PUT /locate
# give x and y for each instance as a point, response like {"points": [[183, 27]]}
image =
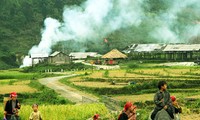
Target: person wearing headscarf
{"points": [[11, 108]]}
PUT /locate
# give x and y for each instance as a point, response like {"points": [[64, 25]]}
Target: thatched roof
{"points": [[114, 54]]}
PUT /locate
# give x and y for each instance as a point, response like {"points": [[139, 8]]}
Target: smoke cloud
{"points": [[164, 21], [92, 19], [178, 22]]}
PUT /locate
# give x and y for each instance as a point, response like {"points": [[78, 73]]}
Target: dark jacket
{"points": [[178, 110], [123, 116], [162, 95], [8, 107], [160, 104]]}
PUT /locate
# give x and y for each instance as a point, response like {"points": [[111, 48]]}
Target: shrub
{"points": [[55, 68], [106, 74], [86, 73], [128, 71], [46, 95], [133, 65]]}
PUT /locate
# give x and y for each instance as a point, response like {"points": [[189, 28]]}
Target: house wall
{"points": [[181, 56], [173, 55], [59, 59]]}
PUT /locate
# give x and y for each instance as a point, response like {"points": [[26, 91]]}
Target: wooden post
{"points": [[183, 55], [32, 61], [191, 54]]}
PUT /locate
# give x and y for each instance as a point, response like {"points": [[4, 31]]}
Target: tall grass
{"points": [[5, 74], [66, 112], [56, 68]]}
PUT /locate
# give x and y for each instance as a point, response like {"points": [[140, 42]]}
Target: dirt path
{"points": [[70, 93]]}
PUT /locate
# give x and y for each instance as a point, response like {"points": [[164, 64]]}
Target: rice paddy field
{"points": [[122, 78], [99, 84], [183, 82], [140, 84], [66, 112], [137, 84], [10, 85], [15, 74]]}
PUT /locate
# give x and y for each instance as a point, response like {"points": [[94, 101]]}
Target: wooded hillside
{"points": [[21, 22]]}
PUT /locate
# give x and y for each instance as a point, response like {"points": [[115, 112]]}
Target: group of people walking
{"points": [[163, 103], [12, 106], [162, 99]]}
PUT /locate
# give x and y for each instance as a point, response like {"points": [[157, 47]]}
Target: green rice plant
{"points": [[128, 71], [66, 112], [143, 114], [8, 74], [18, 75], [4, 82], [106, 74]]}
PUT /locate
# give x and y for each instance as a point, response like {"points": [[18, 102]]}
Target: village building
{"points": [[129, 49], [83, 55], [182, 52], [113, 57], [147, 51], [58, 58], [38, 58], [169, 52], [55, 58]]}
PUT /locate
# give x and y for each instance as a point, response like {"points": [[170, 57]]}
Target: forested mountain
{"points": [[161, 21], [20, 25]]}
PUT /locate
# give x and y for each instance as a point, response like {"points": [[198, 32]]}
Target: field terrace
{"points": [[140, 84], [178, 78]]}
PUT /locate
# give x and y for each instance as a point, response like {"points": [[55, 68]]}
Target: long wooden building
{"points": [[174, 52]]}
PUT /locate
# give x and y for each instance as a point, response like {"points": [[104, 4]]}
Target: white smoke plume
{"points": [[167, 32], [96, 19], [92, 19]]}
